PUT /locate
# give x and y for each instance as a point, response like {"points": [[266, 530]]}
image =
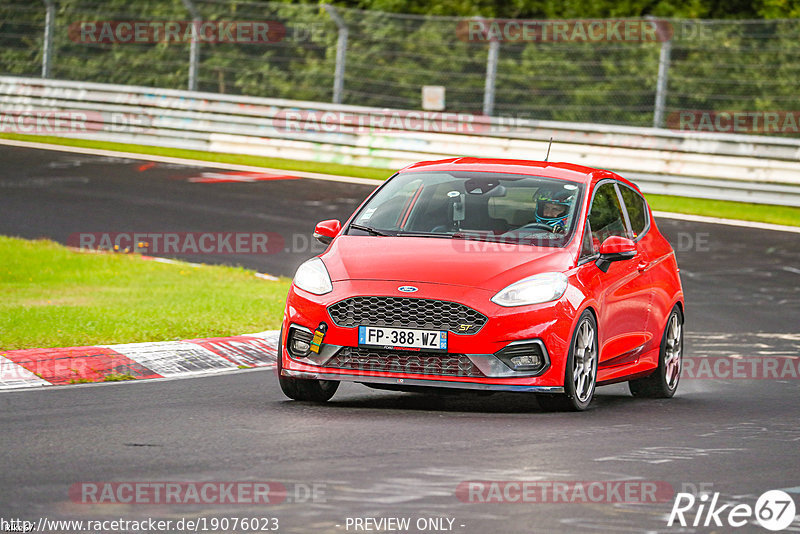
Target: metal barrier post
{"points": [[341, 53], [491, 76], [47, 48], [491, 68], [194, 46], [661, 84]]}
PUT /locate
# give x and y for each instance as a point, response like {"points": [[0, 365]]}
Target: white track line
{"points": [[346, 179], [5, 391], [729, 222], [192, 162]]}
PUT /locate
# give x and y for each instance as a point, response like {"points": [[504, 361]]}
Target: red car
{"points": [[488, 274]]}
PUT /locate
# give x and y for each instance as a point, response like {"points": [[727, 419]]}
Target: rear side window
{"points": [[637, 210], [605, 217]]}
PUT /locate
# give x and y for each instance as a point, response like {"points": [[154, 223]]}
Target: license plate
{"points": [[376, 336]]}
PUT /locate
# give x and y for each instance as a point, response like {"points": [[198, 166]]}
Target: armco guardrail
{"points": [[717, 166]]}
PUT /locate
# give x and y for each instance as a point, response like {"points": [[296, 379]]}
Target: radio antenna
{"points": [[548, 148]]}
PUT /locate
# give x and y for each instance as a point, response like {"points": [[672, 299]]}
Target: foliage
{"points": [[727, 64]]}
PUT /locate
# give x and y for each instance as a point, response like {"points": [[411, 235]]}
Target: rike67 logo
{"points": [[774, 510]]}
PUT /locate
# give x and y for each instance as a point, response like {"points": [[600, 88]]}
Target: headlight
{"points": [[312, 276], [533, 290]]}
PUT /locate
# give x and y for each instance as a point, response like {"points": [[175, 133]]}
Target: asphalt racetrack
{"points": [[371, 454]]}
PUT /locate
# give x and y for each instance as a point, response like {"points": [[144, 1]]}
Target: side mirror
{"points": [[325, 231], [615, 248]]}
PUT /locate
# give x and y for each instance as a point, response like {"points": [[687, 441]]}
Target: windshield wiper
{"points": [[369, 230], [459, 234], [424, 234], [451, 235], [473, 236]]}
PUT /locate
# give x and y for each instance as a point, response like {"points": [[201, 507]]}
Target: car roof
{"points": [[547, 169]]}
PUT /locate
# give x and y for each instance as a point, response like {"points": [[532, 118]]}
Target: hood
{"points": [[461, 262]]}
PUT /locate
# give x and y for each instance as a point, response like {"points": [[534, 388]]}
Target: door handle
{"points": [[644, 266]]}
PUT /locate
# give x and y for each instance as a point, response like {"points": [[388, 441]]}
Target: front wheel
{"points": [[663, 383], [581, 375], [303, 389]]}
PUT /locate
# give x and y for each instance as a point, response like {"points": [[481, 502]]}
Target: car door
{"points": [[625, 293], [650, 259]]}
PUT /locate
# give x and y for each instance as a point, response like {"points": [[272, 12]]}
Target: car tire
{"points": [[663, 383], [580, 377], [303, 389]]}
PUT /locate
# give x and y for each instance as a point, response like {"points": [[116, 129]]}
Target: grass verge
{"points": [[694, 206], [51, 296], [786, 215]]}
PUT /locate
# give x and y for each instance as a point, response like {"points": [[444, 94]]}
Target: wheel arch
{"points": [[679, 303], [589, 306]]}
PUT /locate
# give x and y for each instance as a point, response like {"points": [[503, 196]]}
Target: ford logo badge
{"points": [[407, 289]]}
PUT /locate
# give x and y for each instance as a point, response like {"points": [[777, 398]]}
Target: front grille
{"points": [[407, 313], [399, 361]]}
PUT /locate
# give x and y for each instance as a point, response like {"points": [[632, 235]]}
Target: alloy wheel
{"points": [[584, 366]]}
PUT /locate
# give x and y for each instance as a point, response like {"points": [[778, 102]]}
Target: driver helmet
{"points": [[552, 209]]}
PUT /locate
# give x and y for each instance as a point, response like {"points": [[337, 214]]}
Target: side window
{"points": [[605, 217], [637, 210]]}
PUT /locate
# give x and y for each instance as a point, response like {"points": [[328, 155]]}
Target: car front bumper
{"points": [[548, 325], [418, 382]]}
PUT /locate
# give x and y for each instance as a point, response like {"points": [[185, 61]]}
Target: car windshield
{"points": [[529, 210]]}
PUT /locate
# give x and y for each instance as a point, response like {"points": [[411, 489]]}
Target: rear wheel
{"points": [[663, 383], [581, 374], [303, 389]]}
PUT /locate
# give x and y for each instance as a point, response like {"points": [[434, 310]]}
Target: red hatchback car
{"points": [[498, 275]]}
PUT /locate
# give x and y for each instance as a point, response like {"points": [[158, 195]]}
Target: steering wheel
{"points": [[535, 226]]}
